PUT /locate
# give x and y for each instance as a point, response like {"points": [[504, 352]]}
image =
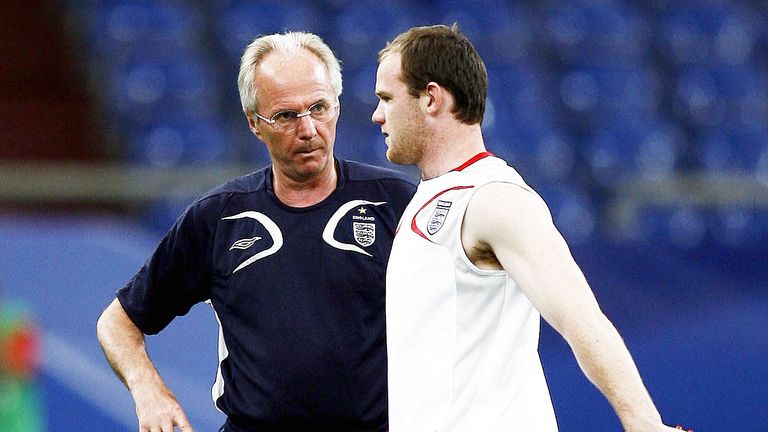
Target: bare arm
{"points": [[513, 226], [123, 343]]}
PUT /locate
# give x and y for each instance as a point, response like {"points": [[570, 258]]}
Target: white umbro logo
{"points": [[244, 243]]}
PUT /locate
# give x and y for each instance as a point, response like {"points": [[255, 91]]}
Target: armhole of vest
{"points": [[475, 269]]}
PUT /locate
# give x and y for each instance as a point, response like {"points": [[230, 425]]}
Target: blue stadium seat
{"points": [[518, 93], [181, 143], [596, 33], [573, 211], [162, 146], [360, 86], [520, 123], [555, 156], [242, 21], [696, 98], [734, 149], [141, 25], [707, 33], [144, 89], [599, 91], [161, 214], [692, 227], [745, 93], [722, 96], [361, 28], [609, 156], [503, 32], [251, 151], [620, 151], [682, 227], [361, 142], [538, 154], [685, 37], [541, 152], [761, 167], [739, 227]]}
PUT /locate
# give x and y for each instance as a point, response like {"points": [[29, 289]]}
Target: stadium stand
{"points": [[644, 124]]}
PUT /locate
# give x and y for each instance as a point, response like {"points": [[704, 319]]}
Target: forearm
{"points": [[605, 360], [123, 345]]}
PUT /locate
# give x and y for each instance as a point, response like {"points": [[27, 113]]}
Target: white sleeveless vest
{"points": [[462, 342]]}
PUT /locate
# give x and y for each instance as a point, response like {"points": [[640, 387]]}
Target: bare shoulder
{"points": [[502, 214], [500, 203]]}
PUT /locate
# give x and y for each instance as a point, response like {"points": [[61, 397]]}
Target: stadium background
{"points": [[643, 123]]}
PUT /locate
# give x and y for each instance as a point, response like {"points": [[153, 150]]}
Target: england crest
{"points": [[365, 233], [438, 216]]}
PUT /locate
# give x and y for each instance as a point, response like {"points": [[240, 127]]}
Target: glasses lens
{"points": [[286, 119], [322, 112]]}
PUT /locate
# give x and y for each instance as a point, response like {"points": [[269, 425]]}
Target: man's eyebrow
{"points": [[319, 100], [323, 100]]}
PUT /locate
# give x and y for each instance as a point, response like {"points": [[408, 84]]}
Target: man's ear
{"points": [[253, 124], [433, 99]]}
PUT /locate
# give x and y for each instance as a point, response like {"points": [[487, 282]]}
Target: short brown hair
{"points": [[442, 54]]}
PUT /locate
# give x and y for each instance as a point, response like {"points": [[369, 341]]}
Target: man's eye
{"points": [[318, 108], [285, 116]]}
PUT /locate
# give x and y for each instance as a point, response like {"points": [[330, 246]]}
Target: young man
{"points": [[292, 258], [476, 261]]}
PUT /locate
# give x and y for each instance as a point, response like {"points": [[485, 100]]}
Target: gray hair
{"points": [[285, 43]]}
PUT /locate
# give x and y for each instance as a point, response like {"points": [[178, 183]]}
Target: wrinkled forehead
{"points": [[292, 78]]}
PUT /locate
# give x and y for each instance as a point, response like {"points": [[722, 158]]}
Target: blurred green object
{"points": [[20, 405]]}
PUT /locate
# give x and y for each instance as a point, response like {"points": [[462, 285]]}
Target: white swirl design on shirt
{"points": [[272, 229]]}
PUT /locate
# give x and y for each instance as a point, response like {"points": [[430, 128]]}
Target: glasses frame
{"points": [[272, 122]]}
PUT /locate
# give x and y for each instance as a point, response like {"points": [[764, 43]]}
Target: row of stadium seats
{"points": [[583, 94]]}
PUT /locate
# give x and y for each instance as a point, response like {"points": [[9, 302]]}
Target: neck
{"points": [[450, 150], [304, 192]]}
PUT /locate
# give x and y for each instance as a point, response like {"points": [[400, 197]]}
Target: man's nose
{"points": [[305, 128], [377, 116]]}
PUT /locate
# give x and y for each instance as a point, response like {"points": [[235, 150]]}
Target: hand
{"points": [[158, 411]]}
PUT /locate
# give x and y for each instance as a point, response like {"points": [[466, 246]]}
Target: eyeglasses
{"points": [[288, 120]]}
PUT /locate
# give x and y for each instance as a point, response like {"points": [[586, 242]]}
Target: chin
{"points": [[391, 156], [397, 158], [319, 163]]}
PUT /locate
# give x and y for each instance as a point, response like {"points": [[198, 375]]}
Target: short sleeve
{"points": [[177, 275]]}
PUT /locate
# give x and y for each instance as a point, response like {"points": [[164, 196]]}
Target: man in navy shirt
{"points": [[292, 258]]}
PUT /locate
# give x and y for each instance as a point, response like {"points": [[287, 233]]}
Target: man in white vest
{"points": [[476, 262]]}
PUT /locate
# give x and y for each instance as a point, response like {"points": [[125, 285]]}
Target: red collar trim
{"points": [[472, 160]]}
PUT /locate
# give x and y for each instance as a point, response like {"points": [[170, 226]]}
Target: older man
{"points": [[292, 258]]}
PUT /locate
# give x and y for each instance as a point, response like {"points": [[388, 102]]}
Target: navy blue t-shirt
{"points": [[298, 293]]}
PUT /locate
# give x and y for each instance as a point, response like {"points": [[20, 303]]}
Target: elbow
{"points": [[586, 328], [108, 320], [114, 324], [102, 324]]}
